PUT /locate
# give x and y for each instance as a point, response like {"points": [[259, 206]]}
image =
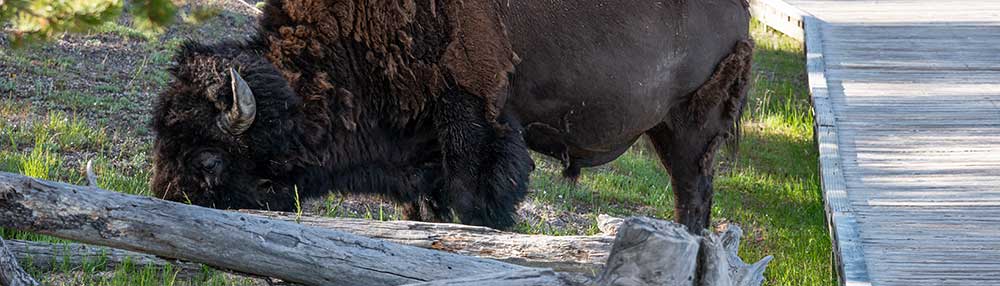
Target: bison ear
{"points": [[239, 118]]}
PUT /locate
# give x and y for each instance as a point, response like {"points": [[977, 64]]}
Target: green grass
{"points": [[124, 31], [108, 88], [78, 101], [7, 85], [200, 14], [37, 147], [772, 189]]}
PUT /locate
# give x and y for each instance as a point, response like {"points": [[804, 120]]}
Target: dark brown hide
{"points": [[595, 75], [406, 49], [412, 100], [480, 55], [727, 87], [399, 98], [687, 146]]}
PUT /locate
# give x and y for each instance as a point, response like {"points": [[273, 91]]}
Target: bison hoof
{"points": [[504, 221]]}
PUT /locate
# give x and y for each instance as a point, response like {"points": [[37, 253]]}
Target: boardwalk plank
{"points": [[907, 102]]}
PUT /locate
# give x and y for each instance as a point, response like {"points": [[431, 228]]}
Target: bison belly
{"points": [[588, 84], [595, 76], [591, 127]]}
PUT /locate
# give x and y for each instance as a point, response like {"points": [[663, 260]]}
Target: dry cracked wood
{"points": [[45, 257], [11, 273], [583, 254], [524, 277], [722, 266], [648, 252], [654, 252], [221, 239], [645, 251]]}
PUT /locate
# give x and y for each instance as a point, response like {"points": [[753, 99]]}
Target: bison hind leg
{"points": [[571, 174], [687, 143]]}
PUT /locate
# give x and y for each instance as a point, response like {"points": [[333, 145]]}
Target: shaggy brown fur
{"points": [[480, 55], [402, 45], [394, 97], [408, 99], [728, 86]]}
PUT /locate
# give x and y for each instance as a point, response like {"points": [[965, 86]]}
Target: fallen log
{"points": [[653, 252], [226, 240], [11, 274], [524, 277], [46, 257], [645, 251], [722, 265], [581, 254], [648, 252]]}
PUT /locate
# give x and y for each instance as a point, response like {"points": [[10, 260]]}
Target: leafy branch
{"points": [[29, 21]]}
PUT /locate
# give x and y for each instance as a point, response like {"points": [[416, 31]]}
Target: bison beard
{"points": [[399, 98]]}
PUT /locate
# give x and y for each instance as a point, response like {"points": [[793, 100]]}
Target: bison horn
{"points": [[244, 110]]}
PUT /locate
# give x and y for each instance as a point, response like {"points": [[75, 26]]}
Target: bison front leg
{"points": [[486, 168]]}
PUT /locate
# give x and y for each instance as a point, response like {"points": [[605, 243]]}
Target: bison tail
{"points": [[732, 144], [739, 93]]}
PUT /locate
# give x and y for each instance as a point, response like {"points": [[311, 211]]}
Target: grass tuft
{"points": [[298, 206], [124, 31], [40, 163]]}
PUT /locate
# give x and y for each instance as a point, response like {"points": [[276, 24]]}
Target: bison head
{"points": [[225, 130]]}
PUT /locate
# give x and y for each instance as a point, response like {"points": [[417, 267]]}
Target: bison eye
{"points": [[209, 162]]}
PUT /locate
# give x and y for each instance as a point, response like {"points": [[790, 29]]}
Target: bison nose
{"points": [[211, 165]]}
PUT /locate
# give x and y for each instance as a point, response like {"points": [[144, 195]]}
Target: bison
{"points": [[435, 103]]}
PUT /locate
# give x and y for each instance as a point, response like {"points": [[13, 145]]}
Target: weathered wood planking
{"points": [[779, 16], [849, 258], [907, 101]]}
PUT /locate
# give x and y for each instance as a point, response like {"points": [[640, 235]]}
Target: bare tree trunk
{"points": [[645, 251], [648, 252], [645, 246], [11, 273], [45, 257], [525, 277], [221, 239], [582, 254], [653, 252]]}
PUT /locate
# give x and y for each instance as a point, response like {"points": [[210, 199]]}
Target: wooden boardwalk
{"points": [[907, 99]]}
